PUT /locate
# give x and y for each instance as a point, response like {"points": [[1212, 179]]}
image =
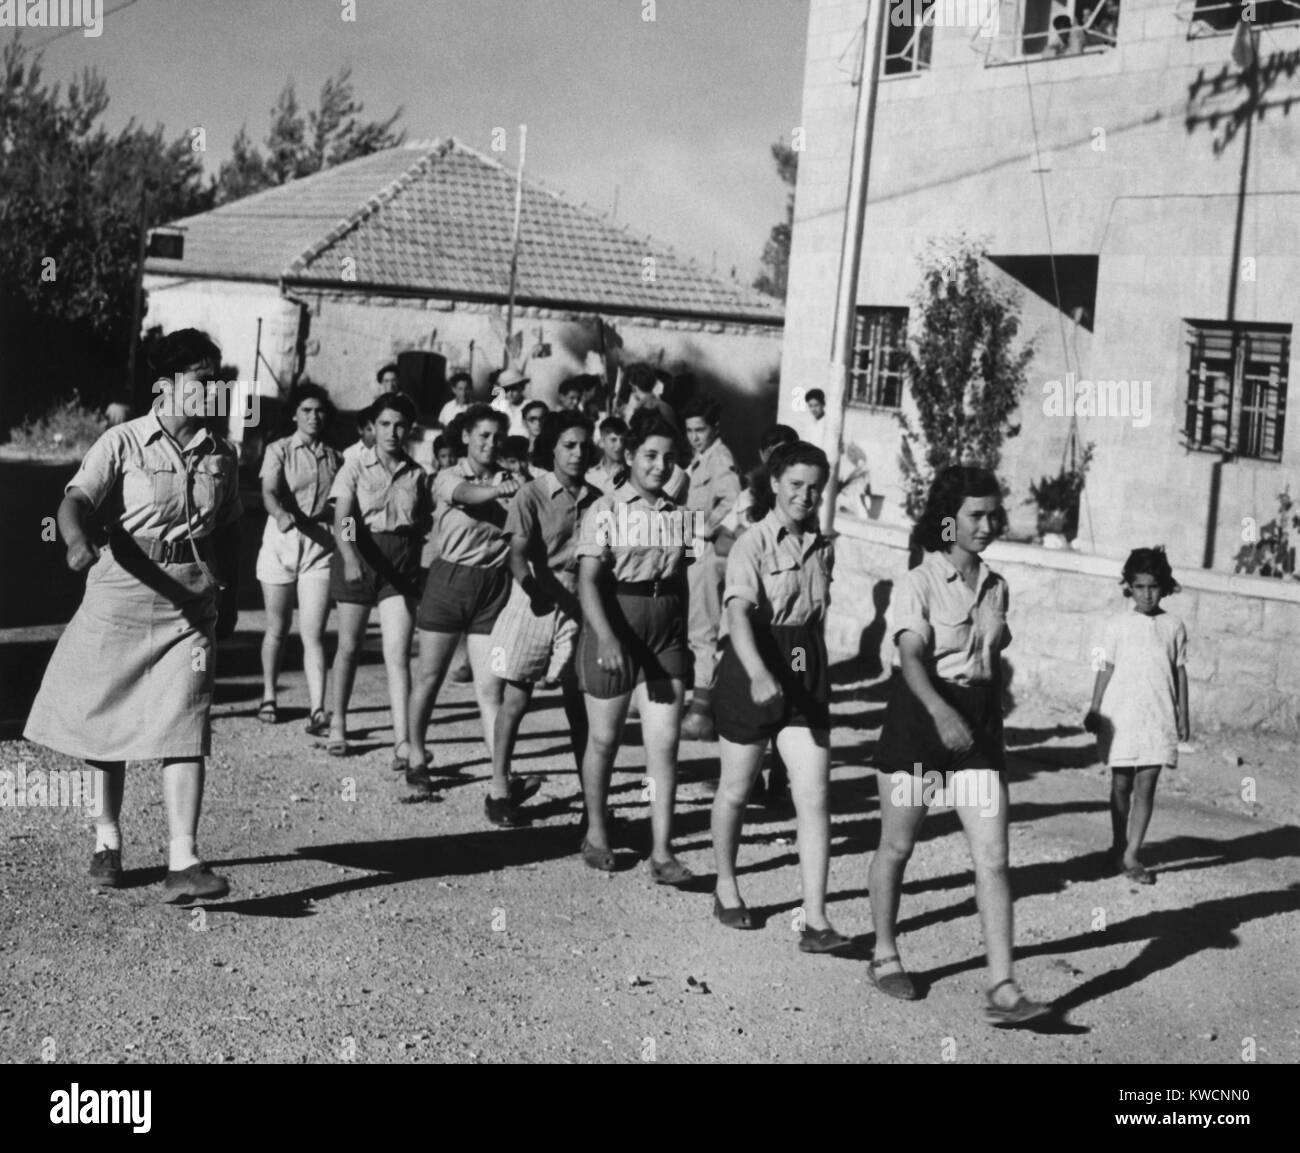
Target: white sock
{"points": [[181, 854], [108, 835]]}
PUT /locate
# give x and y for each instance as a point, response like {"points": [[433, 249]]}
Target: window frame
{"points": [[1219, 358], [868, 371]]}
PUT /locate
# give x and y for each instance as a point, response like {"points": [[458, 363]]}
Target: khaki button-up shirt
{"points": [[469, 534], [639, 540], [144, 481], [715, 484], [386, 503], [963, 631], [305, 471], [784, 575], [549, 518]]}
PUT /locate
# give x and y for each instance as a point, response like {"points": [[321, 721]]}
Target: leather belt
{"points": [[161, 551], [659, 587]]}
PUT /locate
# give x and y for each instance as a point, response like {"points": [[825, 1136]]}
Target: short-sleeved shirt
{"points": [[715, 483], [515, 414], [387, 503], [450, 411], [140, 478], [737, 520], [1143, 653], [306, 471], [469, 534], [963, 631], [639, 540], [601, 476], [786, 576], [550, 518]]}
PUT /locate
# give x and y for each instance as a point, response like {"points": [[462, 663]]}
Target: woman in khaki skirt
{"points": [[131, 677]]}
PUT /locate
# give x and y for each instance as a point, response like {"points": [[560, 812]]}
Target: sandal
{"points": [[268, 713], [401, 763], [318, 724], [670, 872], [601, 859], [737, 918], [1021, 1012], [1140, 875], [337, 747], [825, 940], [898, 985]]}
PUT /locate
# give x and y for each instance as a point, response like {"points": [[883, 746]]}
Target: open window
{"points": [[1213, 17], [1236, 388], [1044, 29], [909, 37]]}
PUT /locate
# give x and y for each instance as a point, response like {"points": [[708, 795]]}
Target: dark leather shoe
{"points": [[823, 941], [737, 918], [197, 883], [420, 782], [522, 788], [601, 859], [106, 869], [502, 813]]}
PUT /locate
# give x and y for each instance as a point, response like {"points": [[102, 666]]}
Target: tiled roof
{"points": [[437, 220]]}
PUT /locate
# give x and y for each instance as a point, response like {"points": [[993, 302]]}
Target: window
{"points": [[909, 34], [1208, 17], [879, 358], [1042, 29], [1236, 388]]}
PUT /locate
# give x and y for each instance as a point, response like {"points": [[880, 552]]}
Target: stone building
{"points": [[1146, 146], [404, 256]]}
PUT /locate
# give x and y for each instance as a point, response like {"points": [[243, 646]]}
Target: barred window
{"points": [[1236, 387], [879, 358]]}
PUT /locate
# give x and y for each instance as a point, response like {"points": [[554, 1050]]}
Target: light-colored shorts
{"points": [[285, 558], [528, 647]]}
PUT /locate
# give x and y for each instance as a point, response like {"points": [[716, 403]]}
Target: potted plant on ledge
{"points": [[1057, 498]]}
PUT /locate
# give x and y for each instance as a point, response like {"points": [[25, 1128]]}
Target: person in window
{"points": [[132, 675]]}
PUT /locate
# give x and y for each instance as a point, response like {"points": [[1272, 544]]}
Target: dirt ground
{"points": [[364, 928]]}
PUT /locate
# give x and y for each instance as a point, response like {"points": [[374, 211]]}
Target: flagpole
{"points": [[514, 251], [851, 250]]}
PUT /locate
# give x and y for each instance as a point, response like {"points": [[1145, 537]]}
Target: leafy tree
{"points": [[70, 205], [965, 373], [298, 145], [776, 253]]}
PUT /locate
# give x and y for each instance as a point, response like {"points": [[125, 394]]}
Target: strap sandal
{"points": [[737, 918], [825, 940], [337, 747], [670, 872], [1140, 875], [898, 985], [268, 713], [1020, 1013], [601, 859], [318, 724]]}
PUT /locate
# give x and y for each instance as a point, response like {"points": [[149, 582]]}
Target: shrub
{"points": [[66, 430]]}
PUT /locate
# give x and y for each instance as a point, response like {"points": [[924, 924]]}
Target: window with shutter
{"points": [[1236, 388], [879, 358]]}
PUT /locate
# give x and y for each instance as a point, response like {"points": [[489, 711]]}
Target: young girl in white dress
{"points": [[1144, 665]]}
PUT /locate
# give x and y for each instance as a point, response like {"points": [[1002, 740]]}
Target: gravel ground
{"points": [[364, 928]]}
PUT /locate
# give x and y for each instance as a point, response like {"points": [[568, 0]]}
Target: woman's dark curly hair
{"points": [[468, 420], [554, 425], [642, 427], [948, 492], [306, 390], [1150, 562], [784, 457]]}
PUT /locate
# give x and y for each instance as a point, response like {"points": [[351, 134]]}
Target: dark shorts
{"points": [[652, 631], [796, 656], [909, 737], [390, 567], [461, 598]]}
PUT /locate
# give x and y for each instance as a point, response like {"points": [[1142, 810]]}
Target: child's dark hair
{"points": [[440, 443], [532, 404], [814, 394], [948, 492], [572, 385], [1150, 562], [784, 457], [643, 426], [702, 407], [613, 424], [555, 425], [379, 376], [641, 377], [468, 420], [397, 402]]}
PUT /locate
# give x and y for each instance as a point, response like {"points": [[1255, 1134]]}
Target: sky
{"points": [[679, 111]]}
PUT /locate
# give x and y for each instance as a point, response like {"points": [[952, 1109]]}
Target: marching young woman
{"points": [[381, 514], [943, 723], [536, 635], [633, 640], [297, 475], [774, 682], [468, 582], [131, 677]]}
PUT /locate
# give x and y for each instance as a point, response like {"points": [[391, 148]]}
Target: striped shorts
{"points": [[528, 647]]}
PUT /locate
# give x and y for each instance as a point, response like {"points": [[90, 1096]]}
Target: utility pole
{"points": [[514, 252]]}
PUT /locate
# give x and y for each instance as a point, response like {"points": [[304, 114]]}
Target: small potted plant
{"points": [[1057, 498]]}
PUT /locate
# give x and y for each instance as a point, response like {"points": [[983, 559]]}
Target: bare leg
{"points": [[605, 719], [1144, 796], [575, 712], [436, 651], [395, 625], [487, 685], [183, 795], [900, 822], [1121, 794], [279, 616], [661, 726], [514, 704], [110, 787], [740, 764], [313, 611], [986, 832], [352, 629], [809, 783]]}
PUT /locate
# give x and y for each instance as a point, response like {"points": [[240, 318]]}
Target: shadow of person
{"points": [[873, 636]]}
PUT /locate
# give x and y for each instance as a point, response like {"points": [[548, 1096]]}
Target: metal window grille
{"points": [[879, 358], [1236, 388]]}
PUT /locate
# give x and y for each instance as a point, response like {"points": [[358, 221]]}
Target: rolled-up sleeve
{"points": [[744, 577], [446, 483], [909, 610], [345, 483], [273, 462], [101, 468]]}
